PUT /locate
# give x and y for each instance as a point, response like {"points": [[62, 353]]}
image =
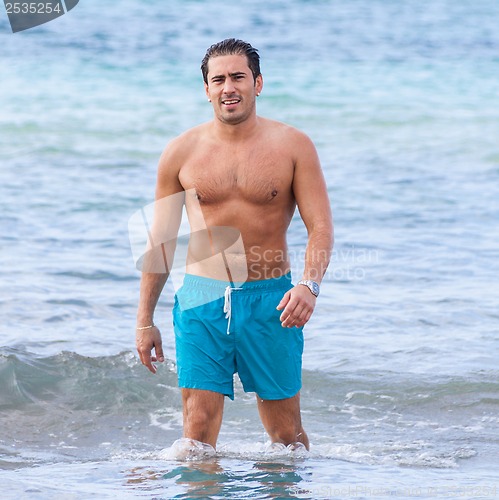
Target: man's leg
{"points": [[282, 420], [203, 411]]}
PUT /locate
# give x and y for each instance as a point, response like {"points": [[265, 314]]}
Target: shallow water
{"points": [[401, 389]]}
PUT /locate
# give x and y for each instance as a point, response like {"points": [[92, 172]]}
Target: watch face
{"points": [[312, 286]]}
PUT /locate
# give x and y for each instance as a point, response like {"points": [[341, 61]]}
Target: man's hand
{"points": [[145, 341], [298, 304]]}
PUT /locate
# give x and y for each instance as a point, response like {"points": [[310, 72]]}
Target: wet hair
{"points": [[230, 47]]}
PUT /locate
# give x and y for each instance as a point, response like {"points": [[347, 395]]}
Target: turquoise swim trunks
{"points": [[223, 328]]}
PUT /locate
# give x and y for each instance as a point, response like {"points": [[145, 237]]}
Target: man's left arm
{"points": [[312, 199]]}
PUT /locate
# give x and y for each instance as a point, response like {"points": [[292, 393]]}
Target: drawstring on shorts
{"points": [[228, 305]]}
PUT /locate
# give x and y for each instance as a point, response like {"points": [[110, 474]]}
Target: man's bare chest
{"points": [[254, 176]]}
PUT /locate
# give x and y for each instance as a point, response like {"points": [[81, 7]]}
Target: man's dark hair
{"points": [[230, 47]]}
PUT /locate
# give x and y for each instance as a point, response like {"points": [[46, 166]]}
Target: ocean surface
{"points": [[400, 390]]}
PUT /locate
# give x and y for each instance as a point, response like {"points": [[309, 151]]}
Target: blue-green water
{"points": [[401, 386]]}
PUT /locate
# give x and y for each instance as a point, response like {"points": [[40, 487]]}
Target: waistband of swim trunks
{"points": [[283, 282]]}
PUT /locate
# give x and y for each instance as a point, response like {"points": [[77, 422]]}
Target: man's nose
{"points": [[229, 87]]}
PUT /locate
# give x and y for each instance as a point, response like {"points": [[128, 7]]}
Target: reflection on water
{"points": [[221, 477]]}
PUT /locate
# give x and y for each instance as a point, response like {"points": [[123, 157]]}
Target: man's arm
{"points": [[310, 191], [158, 257]]}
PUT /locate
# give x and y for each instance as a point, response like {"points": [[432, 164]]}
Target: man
{"points": [[240, 177]]}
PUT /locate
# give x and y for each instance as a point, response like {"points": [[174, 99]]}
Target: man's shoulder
{"points": [[284, 130], [190, 136], [290, 140], [182, 145]]}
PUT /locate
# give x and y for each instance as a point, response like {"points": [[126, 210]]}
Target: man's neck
{"points": [[236, 132]]}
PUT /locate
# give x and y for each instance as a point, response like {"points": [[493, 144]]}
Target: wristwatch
{"points": [[312, 286]]}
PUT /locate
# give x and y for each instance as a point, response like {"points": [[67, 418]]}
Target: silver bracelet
{"points": [[145, 327]]}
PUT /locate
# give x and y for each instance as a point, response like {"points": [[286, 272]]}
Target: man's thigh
{"points": [[205, 353], [280, 413], [199, 400], [269, 356]]}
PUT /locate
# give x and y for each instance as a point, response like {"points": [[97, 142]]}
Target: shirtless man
{"points": [[248, 173]]}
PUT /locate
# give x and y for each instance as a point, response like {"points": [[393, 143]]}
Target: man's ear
{"points": [[258, 84], [207, 91]]}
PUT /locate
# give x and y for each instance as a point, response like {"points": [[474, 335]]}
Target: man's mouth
{"points": [[229, 102]]}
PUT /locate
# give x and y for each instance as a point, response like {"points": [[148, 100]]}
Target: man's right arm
{"points": [[158, 258]]}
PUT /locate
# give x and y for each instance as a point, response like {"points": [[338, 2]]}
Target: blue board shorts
{"points": [[223, 328]]}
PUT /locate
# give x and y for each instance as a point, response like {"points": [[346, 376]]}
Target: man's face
{"points": [[231, 88]]}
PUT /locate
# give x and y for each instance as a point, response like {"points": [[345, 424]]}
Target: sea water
{"points": [[400, 390]]}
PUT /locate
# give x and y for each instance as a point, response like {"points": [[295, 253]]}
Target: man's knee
{"points": [[198, 416], [202, 415], [202, 407], [282, 420], [286, 434]]}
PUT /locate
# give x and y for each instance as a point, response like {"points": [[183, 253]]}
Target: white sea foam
{"points": [[167, 418], [187, 450]]}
